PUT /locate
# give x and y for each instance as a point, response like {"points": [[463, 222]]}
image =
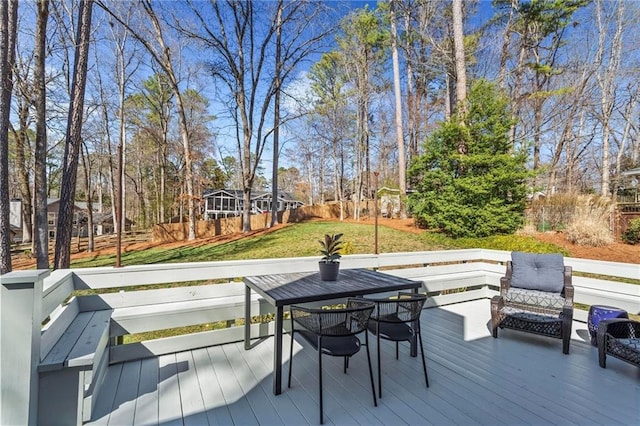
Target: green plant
{"points": [[469, 182], [330, 248], [632, 234], [348, 248]]}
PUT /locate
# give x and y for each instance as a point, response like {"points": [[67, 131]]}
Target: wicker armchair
{"points": [[619, 338], [333, 332], [398, 319], [536, 296]]}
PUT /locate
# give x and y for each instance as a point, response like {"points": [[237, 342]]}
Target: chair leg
{"points": [[320, 380], [565, 344], [424, 362], [397, 351], [566, 335], [373, 386], [602, 353], [290, 360], [379, 369]]}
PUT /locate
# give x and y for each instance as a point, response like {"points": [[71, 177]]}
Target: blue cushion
{"points": [[543, 272]]}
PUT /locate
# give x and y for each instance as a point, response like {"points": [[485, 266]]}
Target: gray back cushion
{"points": [[544, 272]]}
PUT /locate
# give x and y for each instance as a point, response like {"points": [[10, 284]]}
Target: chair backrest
{"points": [[405, 308], [335, 322]]}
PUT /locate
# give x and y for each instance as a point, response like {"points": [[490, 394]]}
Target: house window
{"points": [[52, 235], [51, 219]]}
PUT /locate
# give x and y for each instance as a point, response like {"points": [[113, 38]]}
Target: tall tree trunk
{"points": [[402, 165], [119, 217], [461, 68], [87, 189], [506, 42], [8, 31], [276, 117], [606, 81], [41, 227], [21, 140], [73, 138]]}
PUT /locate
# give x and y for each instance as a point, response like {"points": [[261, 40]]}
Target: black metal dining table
{"points": [[282, 290]]}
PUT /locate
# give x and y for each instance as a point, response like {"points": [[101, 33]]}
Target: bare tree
{"points": [[41, 234], [276, 115], [164, 57], [240, 35], [8, 31], [425, 60], [125, 64], [23, 99], [362, 44], [331, 122], [402, 165], [73, 138], [461, 67], [606, 80]]}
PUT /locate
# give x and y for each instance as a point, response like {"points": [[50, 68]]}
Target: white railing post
{"points": [[20, 326]]}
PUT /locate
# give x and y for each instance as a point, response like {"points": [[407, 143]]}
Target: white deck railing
{"points": [[31, 298]]}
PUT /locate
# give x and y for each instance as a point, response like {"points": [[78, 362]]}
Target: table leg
{"points": [[247, 317], [277, 352]]}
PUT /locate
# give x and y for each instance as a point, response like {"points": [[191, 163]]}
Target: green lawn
{"points": [[301, 239]]}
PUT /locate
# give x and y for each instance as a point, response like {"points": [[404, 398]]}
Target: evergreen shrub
{"points": [[632, 234], [469, 182]]}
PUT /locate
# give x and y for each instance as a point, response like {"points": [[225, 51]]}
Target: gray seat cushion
{"points": [[543, 272]]}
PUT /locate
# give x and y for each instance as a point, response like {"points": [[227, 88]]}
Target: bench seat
{"points": [[71, 372]]}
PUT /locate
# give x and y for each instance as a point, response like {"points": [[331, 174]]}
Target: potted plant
{"points": [[329, 265]]}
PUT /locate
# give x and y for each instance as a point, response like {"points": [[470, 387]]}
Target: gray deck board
{"points": [[216, 408], [474, 380], [125, 400], [169, 409], [147, 400]]}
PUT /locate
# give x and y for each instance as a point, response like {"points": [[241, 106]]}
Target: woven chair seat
{"points": [[532, 322]]}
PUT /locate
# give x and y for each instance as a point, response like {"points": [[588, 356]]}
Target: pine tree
{"points": [[478, 194]]}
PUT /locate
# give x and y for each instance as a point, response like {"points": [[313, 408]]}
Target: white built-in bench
{"points": [[76, 347], [144, 311]]}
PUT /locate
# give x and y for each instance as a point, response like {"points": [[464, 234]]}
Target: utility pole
{"points": [[375, 212]]}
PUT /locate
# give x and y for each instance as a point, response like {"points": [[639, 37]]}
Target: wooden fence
{"points": [[166, 232]]}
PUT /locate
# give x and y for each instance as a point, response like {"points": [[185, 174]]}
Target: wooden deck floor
{"points": [[516, 379]]}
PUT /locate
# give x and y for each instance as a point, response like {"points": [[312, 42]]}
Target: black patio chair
{"points": [[333, 332], [398, 319], [619, 338]]}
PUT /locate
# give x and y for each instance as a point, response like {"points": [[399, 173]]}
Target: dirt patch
{"points": [[23, 261], [616, 252]]}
